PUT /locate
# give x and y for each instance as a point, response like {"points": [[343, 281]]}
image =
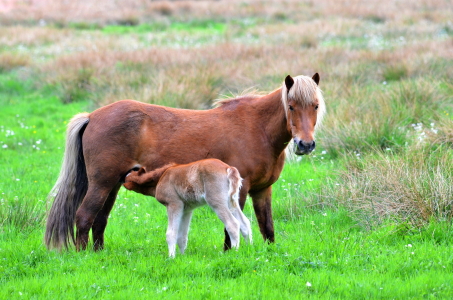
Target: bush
{"points": [[408, 189]]}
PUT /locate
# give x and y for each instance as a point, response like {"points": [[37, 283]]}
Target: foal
{"points": [[182, 188]]}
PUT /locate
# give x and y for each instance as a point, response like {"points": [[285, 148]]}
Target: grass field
{"points": [[367, 216]]}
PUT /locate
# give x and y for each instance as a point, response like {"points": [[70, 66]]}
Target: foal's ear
{"points": [[289, 81], [316, 78], [141, 171]]}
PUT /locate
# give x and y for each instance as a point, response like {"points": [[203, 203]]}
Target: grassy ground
{"points": [[368, 215]]}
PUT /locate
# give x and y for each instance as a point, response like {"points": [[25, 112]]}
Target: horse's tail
{"points": [[235, 183], [70, 188]]}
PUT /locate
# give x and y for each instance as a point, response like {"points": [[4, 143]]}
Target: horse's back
{"points": [[129, 133]]}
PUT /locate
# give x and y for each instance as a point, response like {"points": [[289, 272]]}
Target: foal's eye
{"points": [[316, 107], [291, 108]]}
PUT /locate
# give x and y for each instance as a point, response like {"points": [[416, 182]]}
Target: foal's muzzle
{"points": [[303, 148]]}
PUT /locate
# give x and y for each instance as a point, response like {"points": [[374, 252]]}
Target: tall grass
{"points": [[383, 116], [21, 214], [255, 45], [410, 189], [9, 61]]}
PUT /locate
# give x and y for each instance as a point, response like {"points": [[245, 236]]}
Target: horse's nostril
{"points": [[301, 145], [312, 146], [306, 147]]}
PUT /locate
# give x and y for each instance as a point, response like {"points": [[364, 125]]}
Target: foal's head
{"points": [[144, 182], [304, 108]]}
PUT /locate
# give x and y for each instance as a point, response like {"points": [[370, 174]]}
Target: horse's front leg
{"points": [[263, 211], [175, 211]]}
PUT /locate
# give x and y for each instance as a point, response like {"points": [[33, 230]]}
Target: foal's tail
{"points": [[235, 183], [70, 188]]}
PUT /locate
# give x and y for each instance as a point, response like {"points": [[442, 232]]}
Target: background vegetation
{"points": [[368, 215]]}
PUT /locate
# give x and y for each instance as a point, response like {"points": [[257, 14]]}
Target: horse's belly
{"points": [[194, 202]]}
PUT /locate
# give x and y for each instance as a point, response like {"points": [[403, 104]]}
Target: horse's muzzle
{"points": [[303, 148]]}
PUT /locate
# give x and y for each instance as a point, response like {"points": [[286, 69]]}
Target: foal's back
{"points": [[194, 182]]}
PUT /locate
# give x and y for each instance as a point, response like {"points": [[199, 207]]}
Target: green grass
{"points": [[31, 140], [199, 27], [325, 250], [321, 252]]}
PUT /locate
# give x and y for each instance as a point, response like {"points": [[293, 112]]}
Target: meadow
{"points": [[367, 215]]}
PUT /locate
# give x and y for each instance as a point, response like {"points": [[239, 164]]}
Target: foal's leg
{"points": [[263, 212], [242, 197], [184, 229], [244, 223], [231, 225], [100, 222], [223, 212], [175, 211]]}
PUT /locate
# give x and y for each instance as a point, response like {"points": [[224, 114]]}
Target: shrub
{"points": [[409, 189]]}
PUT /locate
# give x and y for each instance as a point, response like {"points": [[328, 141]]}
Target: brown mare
{"points": [[249, 132]]}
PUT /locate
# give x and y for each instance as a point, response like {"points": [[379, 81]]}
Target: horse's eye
{"points": [[316, 107], [291, 108]]}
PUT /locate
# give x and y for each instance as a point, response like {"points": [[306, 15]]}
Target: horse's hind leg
{"points": [[263, 212], [242, 197], [86, 214], [232, 226], [101, 220], [244, 222]]}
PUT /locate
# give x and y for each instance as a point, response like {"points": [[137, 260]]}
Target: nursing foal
{"points": [[182, 188]]}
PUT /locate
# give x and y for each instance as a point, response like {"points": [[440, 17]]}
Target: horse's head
{"points": [[304, 108]]}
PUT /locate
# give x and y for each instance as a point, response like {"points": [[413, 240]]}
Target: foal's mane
{"points": [[157, 173], [150, 178]]}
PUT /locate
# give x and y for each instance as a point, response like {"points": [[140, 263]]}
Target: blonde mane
{"points": [[305, 91], [220, 102]]}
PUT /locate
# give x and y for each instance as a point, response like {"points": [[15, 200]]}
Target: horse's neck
{"points": [[274, 120]]}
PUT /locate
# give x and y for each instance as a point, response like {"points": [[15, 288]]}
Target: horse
{"points": [[182, 188], [249, 132]]}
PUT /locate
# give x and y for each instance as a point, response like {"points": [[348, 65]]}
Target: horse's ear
{"points": [[289, 81], [316, 78], [141, 171]]}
